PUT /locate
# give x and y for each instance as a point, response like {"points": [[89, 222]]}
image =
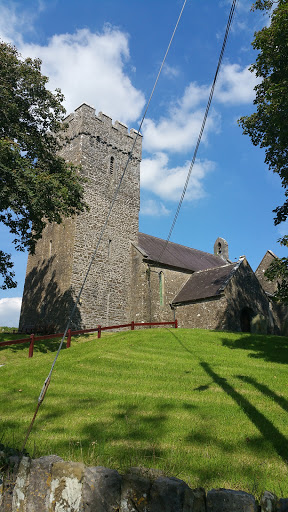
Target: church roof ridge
{"points": [[175, 243], [176, 255], [207, 283]]}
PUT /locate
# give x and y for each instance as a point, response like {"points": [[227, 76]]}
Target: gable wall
{"points": [[244, 291], [268, 286], [204, 314], [145, 304], [224, 312]]}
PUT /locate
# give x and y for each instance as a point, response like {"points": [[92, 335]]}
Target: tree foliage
{"points": [[37, 185], [267, 127], [278, 271]]}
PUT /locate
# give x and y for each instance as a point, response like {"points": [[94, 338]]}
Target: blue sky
{"points": [[107, 54]]}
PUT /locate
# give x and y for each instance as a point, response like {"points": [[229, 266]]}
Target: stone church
{"points": [[134, 276]]}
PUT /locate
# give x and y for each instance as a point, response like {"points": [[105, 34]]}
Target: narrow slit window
{"points": [[161, 288], [111, 165], [109, 248]]}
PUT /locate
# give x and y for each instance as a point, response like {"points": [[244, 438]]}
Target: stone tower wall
{"points": [[91, 143]]}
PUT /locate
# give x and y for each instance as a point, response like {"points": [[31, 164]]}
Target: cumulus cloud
{"points": [[10, 311], [178, 132], [154, 208], [235, 85], [14, 21], [167, 182], [90, 67]]}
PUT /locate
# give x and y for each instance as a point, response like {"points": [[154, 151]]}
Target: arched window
{"points": [[161, 288], [111, 165], [219, 248]]}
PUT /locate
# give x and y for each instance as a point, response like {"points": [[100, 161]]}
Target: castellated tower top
{"points": [[56, 272], [84, 121]]}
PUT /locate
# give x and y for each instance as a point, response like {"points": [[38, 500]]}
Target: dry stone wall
{"points": [[49, 484]]}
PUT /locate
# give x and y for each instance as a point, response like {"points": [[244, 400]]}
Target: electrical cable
{"points": [[48, 379], [229, 22]]}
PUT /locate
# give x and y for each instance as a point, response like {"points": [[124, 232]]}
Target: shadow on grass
{"points": [[280, 400], [265, 426], [44, 346], [205, 438], [129, 423], [269, 432], [270, 348]]}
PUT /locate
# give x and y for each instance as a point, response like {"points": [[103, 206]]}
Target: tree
{"points": [[267, 127], [37, 185]]}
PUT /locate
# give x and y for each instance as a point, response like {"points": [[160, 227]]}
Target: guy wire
{"points": [[229, 22], [48, 379]]}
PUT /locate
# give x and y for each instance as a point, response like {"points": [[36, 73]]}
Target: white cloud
{"points": [[178, 132], [242, 5], [16, 21], [152, 207], [10, 311], [90, 67], [167, 183], [235, 85], [170, 71]]}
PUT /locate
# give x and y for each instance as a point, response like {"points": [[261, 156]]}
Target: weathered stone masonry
{"points": [[56, 272], [127, 281], [49, 484]]}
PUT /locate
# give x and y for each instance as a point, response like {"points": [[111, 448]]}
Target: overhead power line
{"points": [[229, 22], [48, 379]]}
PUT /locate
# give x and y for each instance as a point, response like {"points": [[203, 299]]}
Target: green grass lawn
{"points": [[207, 407]]}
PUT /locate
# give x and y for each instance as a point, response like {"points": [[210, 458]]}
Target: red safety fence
{"points": [[31, 340]]}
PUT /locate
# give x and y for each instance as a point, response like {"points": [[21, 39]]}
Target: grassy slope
{"points": [[208, 407]]}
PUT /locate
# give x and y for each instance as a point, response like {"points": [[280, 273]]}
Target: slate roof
{"points": [[176, 255], [205, 284]]}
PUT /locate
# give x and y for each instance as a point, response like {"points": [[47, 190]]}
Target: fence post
{"points": [[31, 346], [99, 331], [68, 344], [132, 326], [176, 323]]}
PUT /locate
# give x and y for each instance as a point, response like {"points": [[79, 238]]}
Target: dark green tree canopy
{"points": [[267, 127], [37, 185]]}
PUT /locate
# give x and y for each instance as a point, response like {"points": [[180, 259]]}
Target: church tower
{"points": [[55, 273]]}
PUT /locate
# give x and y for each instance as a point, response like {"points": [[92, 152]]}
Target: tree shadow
{"points": [[272, 349], [45, 307], [265, 426], [43, 346], [280, 400]]}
